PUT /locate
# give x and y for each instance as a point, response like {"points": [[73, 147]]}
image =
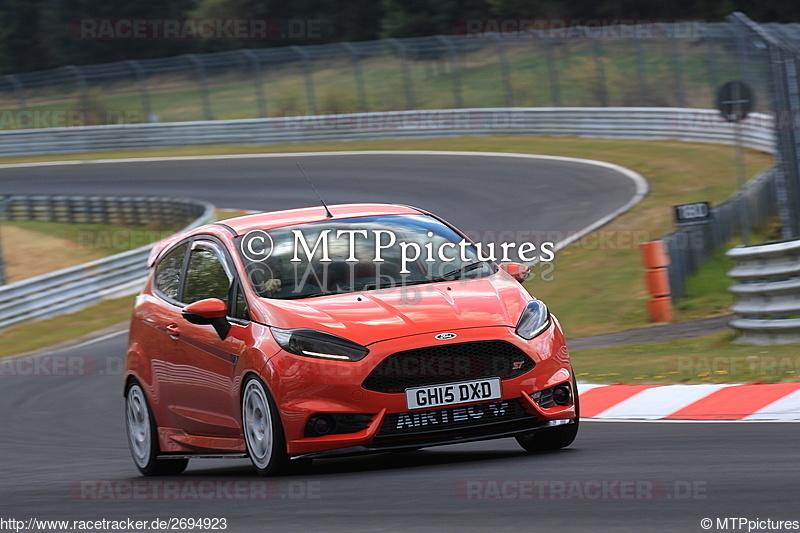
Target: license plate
{"points": [[453, 393]]}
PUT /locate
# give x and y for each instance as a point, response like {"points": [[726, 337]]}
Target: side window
{"points": [[168, 272], [206, 277]]}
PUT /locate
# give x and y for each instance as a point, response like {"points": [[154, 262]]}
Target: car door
{"points": [[201, 391], [156, 315]]}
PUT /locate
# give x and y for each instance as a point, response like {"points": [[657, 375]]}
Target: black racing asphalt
{"points": [[65, 456]]}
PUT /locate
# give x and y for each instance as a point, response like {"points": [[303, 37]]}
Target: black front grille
{"points": [[452, 362], [453, 418]]}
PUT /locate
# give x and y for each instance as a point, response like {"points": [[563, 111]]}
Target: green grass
{"points": [[594, 289], [33, 336], [707, 289], [710, 359]]}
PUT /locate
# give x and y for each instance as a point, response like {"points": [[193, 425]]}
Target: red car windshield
{"points": [[357, 254]]}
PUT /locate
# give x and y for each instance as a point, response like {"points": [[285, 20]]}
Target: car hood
{"points": [[377, 315]]}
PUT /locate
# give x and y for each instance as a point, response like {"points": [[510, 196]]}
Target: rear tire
{"points": [[553, 438], [143, 437], [263, 431]]}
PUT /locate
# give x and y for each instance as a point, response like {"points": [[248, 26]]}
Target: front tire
{"points": [[143, 437], [263, 431]]}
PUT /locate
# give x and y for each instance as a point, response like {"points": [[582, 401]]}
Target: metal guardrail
{"points": [[3, 204], [768, 292], [122, 210], [71, 289], [695, 125], [688, 247]]}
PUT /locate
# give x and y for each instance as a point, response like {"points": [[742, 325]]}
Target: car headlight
{"points": [[534, 320], [313, 343]]}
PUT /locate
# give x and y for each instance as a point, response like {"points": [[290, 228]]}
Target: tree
{"points": [[63, 45], [19, 48], [416, 18]]}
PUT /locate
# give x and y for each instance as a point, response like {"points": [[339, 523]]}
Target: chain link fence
{"points": [[674, 65], [770, 63], [777, 49]]}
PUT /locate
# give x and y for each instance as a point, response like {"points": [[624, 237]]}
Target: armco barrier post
{"points": [[655, 259]]}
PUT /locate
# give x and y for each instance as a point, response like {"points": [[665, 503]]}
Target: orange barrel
{"points": [[655, 259], [654, 254], [660, 309], [657, 281]]}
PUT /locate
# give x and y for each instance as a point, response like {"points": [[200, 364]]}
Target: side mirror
{"points": [[518, 271], [211, 311]]}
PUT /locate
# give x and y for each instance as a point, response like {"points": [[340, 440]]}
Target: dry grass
{"points": [[29, 253]]}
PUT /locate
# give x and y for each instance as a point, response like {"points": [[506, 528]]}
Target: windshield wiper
{"points": [[314, 295], [390, 284], [375, 285], [457, 274], [301, 296]]}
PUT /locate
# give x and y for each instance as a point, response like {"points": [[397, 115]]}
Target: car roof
{"points": [[290, 217]]}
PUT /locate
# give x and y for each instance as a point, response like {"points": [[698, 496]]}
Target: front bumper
{"points": [[305, 387], [529, 427]]}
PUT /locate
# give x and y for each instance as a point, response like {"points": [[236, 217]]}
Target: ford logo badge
{"points": [[445, 336]]}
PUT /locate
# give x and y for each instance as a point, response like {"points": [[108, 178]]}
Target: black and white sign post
{"points": [[735, 100], [696, 217], [692, 214]]}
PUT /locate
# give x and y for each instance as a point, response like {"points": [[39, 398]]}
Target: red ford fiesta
{"points": [[306, 333]]}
